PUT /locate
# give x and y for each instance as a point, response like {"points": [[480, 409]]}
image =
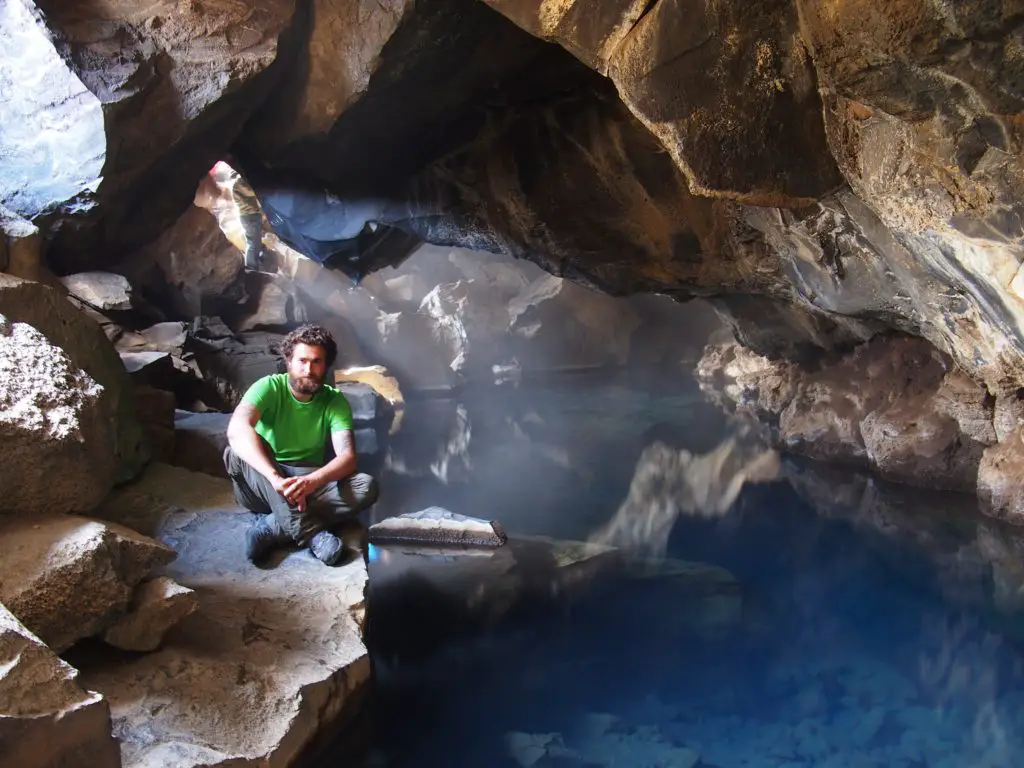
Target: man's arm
{"points": [[247, 445], [297, 488], [344, 462]]}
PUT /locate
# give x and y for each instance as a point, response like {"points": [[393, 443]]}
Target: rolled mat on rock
{"points": [[437, 526]]}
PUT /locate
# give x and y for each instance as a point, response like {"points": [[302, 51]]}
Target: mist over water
{"points": [[674, 593], [743, 618]]}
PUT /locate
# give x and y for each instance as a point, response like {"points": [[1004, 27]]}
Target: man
{"points": [[276, 453], [231, 187]]}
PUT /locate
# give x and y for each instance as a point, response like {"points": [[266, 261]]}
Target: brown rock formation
{"points": [[825, 171]]}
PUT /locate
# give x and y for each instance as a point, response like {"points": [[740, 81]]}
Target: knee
{"points": [[365, 489]]}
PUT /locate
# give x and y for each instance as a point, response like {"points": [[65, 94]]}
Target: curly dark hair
{"points": [[314, 336]]}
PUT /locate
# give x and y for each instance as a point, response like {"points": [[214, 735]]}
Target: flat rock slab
{"points": [[436, 525], [269, 658], [104, 291]]}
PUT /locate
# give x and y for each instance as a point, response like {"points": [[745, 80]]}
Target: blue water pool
{"points": [[682, 605]]}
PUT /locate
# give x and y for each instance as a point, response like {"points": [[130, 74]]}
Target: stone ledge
{"points": [[269, 658]]}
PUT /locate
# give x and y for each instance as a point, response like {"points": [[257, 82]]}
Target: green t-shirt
{"points": [[296, 431]]}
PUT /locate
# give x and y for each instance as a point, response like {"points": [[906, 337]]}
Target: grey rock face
{"points": [[269, 659], [146, 96], [56, 426], [46, 717], [67, 577], [86, 348]]}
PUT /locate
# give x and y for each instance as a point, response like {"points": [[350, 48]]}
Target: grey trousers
{"points": [[252, 227], [332, 505]]}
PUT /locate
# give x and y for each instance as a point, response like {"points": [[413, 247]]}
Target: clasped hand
{"points": [[296, 489]]}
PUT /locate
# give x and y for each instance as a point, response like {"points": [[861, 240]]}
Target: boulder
{"points": [[746, 379], [46, 717], [368, 407], [895, 404], [149, 368], [21, 250], [200, 440], [191, 268], [103, 291], [154, 409], [169, 337], [67, 578], [375, 376], [156, 606], [41, 307], [225, 367], [999, 478], [273, 305], [269, 660], [57, 428], [383, 383]]}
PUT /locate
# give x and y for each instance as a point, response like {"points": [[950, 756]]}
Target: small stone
{"points": [[5, 326], [156, 606]]}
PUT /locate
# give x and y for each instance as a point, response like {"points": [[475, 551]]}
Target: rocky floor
{"points": [[270, 657]]}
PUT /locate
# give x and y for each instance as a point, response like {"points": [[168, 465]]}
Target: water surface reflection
{"points": [[675, 594]]}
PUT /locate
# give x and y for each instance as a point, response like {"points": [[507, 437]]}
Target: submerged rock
{"points": [[453, 593]]}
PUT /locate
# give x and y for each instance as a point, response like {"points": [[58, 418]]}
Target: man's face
{"points": [[307, 368]]}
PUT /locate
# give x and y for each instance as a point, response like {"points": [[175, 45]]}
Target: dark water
{"points": [[834, 621]]}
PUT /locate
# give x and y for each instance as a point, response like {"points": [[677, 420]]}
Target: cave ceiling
{"points": [[823, 170]]}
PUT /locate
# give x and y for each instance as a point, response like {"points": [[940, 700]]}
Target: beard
{"points": [[305, 385]]}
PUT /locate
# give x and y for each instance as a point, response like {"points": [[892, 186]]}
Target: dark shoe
{"points": [[327, 548], [260, 540]]}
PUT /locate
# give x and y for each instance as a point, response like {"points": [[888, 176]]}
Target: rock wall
{"points": [[894, 404], [842, 170]]}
